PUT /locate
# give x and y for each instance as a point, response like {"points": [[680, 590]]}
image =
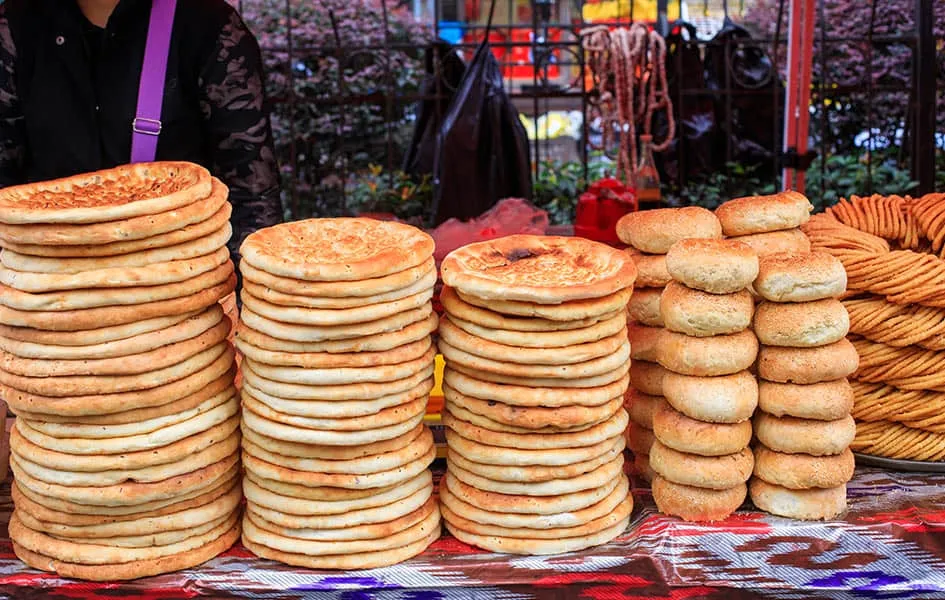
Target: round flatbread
{"points": [[109, 195], [535, 473], [346, 562], [78, 385], [620, 512], [310, 333], [334, 317], [195, 221], [302, 512], [115, 475], [534, 417], [129, 494], [108, 316], [608, 377], [353, 391], [224, 412], [556, 457], [201, 246], [384, 418], [372, 343], [325, 452], [327, 360], [339, 409], [566, 312], [381, 513], [552, 355], [430, 522], [290, 433], [554, 487], [341, 249], [161, 357], [552, 521], [131, 570], [92, 337], [607, 363], [365, 288], [527, 396], [164, 273], [571, 338], [340, 375], [189, 388], [102, 297], [528, 505], [63, 239], [87, 514], [52, 518], [485, 318], [369, 531], [186, 329], [540, 269], [532, 441], [366, 465], [278, 298]]}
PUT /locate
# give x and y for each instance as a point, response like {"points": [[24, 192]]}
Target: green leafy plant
{"points": [[396, 193], [558, 184], [845, 175], [736, 181]]}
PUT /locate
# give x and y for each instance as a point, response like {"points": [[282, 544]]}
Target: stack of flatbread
{"points": [[114, 357], [537, 363], [338, 360]]}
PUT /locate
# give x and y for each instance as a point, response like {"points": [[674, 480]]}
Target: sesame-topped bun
{"points": [[655, 231], [714, 266], [701, 314], [761, 214], [801, 324], [800, 277]]}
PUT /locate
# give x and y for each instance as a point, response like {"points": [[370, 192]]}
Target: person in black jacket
{"points": [[69, 75]]}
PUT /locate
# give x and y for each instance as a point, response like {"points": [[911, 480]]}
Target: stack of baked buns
{"points": [[768, 224], [701, 455], [649, 236], [803, 428], [335, 332], [114, 357], [537, 362]]}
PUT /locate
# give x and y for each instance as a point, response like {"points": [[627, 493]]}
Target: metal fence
{"points": [[344, 103]]}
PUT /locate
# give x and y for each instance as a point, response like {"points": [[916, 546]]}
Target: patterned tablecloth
{"points": [[891, 544]]}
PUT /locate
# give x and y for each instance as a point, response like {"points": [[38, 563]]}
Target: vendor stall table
{"points": [[891, 544]]}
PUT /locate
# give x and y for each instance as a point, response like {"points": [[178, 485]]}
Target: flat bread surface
{"points": [[563, 312], [485, 317], [81, 299], [339, 290], [541, 269], [195, 221], [191, 249], [192, 325], [107, 316], [109, 195], [328, 317], [342, 249], [381, 342], [279, 298], [130, 570], [71, 240], [162, 273]]}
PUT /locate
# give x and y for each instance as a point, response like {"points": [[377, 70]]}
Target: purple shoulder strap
{"points": [[146, 126]]}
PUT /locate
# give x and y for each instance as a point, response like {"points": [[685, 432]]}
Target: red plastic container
{"points": [[599, 209]]}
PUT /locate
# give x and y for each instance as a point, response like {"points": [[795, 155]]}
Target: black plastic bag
{"points": [[692, 152], [445, 69], [752, 137], [483, 147]]}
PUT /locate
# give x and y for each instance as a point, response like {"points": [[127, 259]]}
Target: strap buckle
{"points": [[146, 126]]}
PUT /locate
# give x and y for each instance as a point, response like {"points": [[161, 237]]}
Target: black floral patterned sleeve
{"points": [[12, 123], [233, 105]]}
